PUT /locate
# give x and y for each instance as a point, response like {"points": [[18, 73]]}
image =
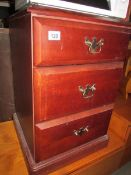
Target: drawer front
{"points": [[58, 139], [61, 42], [61, 91]]}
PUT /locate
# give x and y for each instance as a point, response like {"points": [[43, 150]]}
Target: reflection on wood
{"points": [[12, 161], [11, 157]]}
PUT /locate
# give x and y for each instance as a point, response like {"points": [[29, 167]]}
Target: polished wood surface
{"points": [[73, 117], [127, 81], [128, 65], [62, 84], [123, 108], [43, 91], [20, 37], [62, 138], [46, 166], [11, 155], [121, 119], [128, 86], [105, 166], [110, 23], [103, 161], [71, 47]]}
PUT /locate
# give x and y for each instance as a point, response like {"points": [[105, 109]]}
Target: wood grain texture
{"points": [[11, 156], [73, 117], [96, 161], [110, 23], [62, 138], [98, 157], [121, 126], [121, 119], [106, 159], [71, 48], [122, 108], [20, 32], [102, 167], [45, 166], [56, 89], [46, 93]]}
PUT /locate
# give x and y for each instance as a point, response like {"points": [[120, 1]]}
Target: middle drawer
{"points": [[60, 91]]}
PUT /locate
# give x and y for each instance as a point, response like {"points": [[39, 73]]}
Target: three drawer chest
{"points": [[67, 69]]}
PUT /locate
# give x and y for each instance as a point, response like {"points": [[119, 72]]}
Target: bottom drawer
{"points": [[58, 139]]}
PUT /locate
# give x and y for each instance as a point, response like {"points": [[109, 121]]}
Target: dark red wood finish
{"points": [[56, 140], [56, 90], [109, 23], [71, 48], [47, 74], [20, 35], [44, 167]]}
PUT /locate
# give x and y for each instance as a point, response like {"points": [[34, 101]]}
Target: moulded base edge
{"points": [[49, 165]]}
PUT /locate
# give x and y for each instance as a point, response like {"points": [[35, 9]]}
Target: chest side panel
{"points": [[20, 34]]}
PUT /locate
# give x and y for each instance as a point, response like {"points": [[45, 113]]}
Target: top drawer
{"points": [[61, 42]]}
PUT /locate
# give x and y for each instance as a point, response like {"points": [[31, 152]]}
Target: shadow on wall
{"points": [[7, 107]]}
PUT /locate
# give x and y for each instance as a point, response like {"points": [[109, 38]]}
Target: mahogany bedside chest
{"points": [[67, 69]]}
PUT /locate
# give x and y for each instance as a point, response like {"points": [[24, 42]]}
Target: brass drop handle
{"points": [[81, 131], [88, 92], [94, 45]]}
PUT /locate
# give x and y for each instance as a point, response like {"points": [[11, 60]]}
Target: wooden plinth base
{"points": [[46, 166]]}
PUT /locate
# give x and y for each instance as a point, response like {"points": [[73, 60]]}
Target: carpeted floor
{"points": [[125, 170]]}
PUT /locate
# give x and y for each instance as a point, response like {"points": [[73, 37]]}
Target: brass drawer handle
{"points": [[81, 131], [94, 45], [88, 92]]}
